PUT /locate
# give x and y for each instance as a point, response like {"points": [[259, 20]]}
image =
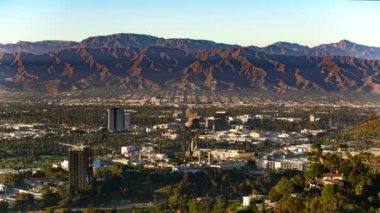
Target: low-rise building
{"points": [[224, 154], [229, 164], [128, 151], [282, 164], [248, 199]]}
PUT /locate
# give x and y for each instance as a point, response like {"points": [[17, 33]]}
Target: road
{"points": [[121, 207]]}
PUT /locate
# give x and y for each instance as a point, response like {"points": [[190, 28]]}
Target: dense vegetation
{"points": [[90, 116], [87, 116], [214, 190]]}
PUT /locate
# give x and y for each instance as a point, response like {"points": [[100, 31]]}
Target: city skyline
{"points": [[190, 106], [239, 22]]}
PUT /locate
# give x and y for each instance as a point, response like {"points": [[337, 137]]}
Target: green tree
{"points": [[283, 188], [289, 205], [196, 206], [24, 201], [49, 198], [316, 154], [49, 210], [332, 198], [314, 171], [64, 196], [65, 210], [221, 204], [12, 180], [92, 210], [4, 206]]}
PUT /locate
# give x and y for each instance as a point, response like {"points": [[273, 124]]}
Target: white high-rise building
{"points": [[117, 120]]}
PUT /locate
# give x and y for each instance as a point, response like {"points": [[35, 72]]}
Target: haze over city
{"points": [[243, 22]]}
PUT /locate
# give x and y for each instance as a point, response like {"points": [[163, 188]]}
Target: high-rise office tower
{"points": [[127, 120], [220, 115], [116, 120], [183, 115], [80, 167], [221, 120], [210, 123]]}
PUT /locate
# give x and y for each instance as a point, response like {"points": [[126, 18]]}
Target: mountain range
{"points": [[133, 61]]}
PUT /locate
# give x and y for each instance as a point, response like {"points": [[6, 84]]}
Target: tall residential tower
{"points": [[80, 167]]}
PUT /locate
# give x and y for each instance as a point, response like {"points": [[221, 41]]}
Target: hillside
{"points": [[369, 128], [158, 67], [131, 61]]}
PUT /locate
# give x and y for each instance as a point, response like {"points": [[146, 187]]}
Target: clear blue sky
{"points": [[245, 22]]}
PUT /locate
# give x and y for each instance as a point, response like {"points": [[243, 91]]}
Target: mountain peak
{"points": [[284, 43], [345, 44], [287, 48], [125, 40], [140, 41], [345, 41]]}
